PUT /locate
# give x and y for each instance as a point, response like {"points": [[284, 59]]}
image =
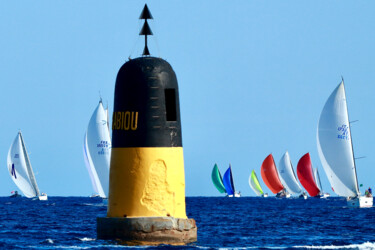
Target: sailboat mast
{"points": [[351, 141], [29, 168]]}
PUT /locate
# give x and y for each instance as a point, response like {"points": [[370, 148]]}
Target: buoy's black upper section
{"points": [[146, 105]]}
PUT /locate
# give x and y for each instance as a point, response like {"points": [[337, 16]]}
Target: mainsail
{"points": [[306, 176], [20, 169], [228, 181], [334, 143], [217, 179], [287, 175], [254, 183], [97, 150], [270, 176]]}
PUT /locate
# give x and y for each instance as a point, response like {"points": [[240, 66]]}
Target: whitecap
{"points": [[86, 239], [366, 245], [49, 241]]}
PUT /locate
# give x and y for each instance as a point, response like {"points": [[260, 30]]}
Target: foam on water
{"points": [[50, 241], [86, 239], [366, 245]]}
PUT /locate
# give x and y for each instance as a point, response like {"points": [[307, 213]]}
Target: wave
{"points": [[366, 245], [48, 241], [93, 204], [86, 239]]}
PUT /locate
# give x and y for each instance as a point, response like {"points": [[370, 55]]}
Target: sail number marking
{"points": [[344, 132]]}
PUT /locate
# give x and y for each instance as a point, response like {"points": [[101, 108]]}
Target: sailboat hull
{"points": [[359, 202], [325, 195], [43, 197], [235, 195]]}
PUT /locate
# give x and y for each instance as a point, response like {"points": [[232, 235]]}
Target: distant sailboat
{"points": [[97, 150], [20, 169], [335, 149], [287, 175], [255, 186], [271, 177], [217, 179], [229, 183], [319, 184], [306, 176]]}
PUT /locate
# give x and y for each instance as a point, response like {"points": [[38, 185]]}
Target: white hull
{"points": [[43, 197], [325, 195], [235, 195], [359, 202], [264, 195]]}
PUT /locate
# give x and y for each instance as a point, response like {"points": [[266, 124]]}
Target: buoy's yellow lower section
{"points": [[147, 182]]}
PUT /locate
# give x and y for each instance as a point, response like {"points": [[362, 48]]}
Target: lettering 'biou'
{"points": [[125, 120]]}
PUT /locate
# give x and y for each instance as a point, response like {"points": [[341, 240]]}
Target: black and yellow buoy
{"points": [[147, 182]]}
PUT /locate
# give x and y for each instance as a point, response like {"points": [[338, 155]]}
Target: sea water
{"points": [[244, 223]]}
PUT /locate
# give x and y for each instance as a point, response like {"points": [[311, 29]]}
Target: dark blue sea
{"points": [[243, 223]]}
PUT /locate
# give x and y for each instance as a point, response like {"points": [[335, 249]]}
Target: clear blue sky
{"points": [[253, 78]]}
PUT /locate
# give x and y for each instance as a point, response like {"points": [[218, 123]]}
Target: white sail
{"points": [[91, 169], [335, 144], [20, 169], [98, 149], [317, 180], [287, 175]]}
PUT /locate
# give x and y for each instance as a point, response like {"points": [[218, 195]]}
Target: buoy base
{"points": [[164, 230]]}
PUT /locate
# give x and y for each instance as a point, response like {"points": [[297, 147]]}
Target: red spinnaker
{"points": [[270, 175], [305, 175]]}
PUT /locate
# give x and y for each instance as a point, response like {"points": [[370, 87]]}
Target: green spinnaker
{"points": [[217, 179], [255, 182]]}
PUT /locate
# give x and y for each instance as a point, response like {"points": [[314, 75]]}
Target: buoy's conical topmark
{"points": [[146, 14], [146, 30]]}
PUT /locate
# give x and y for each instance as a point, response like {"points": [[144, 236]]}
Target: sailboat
{"points": [[20, 169], [217, 179], [319, 184], [255, 186], [335, 148], [271, 178], [97, 150], [306, 176], [287, 175], [229, 184]]}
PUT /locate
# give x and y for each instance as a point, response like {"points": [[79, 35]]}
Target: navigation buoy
{"points": [[147, 181]]}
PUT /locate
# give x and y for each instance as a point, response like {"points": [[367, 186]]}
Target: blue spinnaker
{"points": [[228, 181]]}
